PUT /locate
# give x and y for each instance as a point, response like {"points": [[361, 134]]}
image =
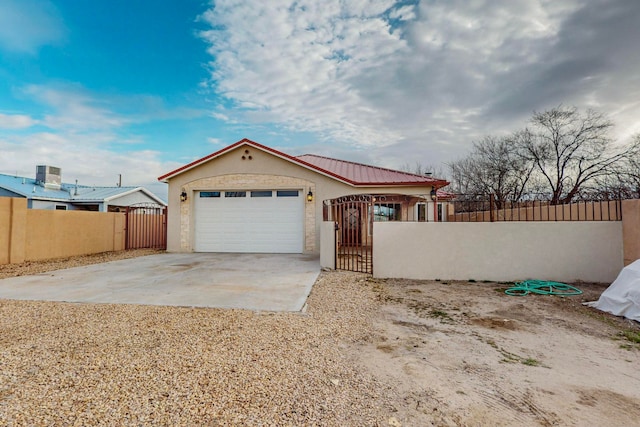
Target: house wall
{"points": [[49, 205], [264, 171], [504, 251], [130, 199], [31, 234]]}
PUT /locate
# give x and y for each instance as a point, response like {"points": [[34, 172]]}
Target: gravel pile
{"points": [[84, 364]]}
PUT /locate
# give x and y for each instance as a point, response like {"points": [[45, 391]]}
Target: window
{"points": [[439, 212], [386, 212], [287, 193], [209, 194], [235, 194], [268, 193], [422, 212], [61, 208]]}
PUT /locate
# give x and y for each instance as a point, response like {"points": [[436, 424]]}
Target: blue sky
{"points": [[138, 88]]}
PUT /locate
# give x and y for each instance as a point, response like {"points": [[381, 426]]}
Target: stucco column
{"points": [[631, 230], [15, 220]]}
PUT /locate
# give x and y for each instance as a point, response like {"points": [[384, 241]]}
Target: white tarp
{"points": [[622, 298]]}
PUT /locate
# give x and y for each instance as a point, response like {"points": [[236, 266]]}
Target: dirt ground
{"points": [[466, 354], [396, 352]]}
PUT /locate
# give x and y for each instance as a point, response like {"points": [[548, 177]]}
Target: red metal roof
{"points": [[361, 174], [356, 174]]}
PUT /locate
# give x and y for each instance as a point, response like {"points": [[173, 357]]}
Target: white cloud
{"points": [[220, 116], [16, 121], [86, 137], [293, 63], [26, 25], [421, 80], [73, 109], [89, 164], [344, 72]]}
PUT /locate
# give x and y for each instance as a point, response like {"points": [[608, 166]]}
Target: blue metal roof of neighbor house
{"points": [[29, 188]]}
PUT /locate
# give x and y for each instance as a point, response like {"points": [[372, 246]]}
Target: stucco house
{"points": [[248, 197], [47, 191]]}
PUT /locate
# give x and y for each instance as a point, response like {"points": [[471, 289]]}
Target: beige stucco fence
{"points": [[505, 251], [565, 251], [32, 234]]}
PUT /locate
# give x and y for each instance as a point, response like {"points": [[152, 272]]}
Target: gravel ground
{"points": [[36, 267], [86, 364], [365, 352]]}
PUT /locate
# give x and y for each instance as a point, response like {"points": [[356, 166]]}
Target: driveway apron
{"points": [[269, 282]]}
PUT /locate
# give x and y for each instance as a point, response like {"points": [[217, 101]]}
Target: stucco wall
{"points": [[505, 251], [631, 230], [264, 171], [328, 245], [13, 226], [31, 235]]}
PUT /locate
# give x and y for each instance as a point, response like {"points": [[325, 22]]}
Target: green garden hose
{"points": [[542, 287]]}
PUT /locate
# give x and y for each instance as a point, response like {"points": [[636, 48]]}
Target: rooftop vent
{"points": [[49, 177]]}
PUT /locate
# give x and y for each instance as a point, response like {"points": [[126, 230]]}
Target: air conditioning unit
{"points": [[49, 176]]}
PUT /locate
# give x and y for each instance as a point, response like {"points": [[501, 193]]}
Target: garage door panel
{"points": [[249, 224]]}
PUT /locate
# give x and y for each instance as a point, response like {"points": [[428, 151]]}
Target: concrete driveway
{"points": [[270, 282]]}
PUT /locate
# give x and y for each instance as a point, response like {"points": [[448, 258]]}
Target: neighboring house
{"points": [[251, 198], [48, 191]]}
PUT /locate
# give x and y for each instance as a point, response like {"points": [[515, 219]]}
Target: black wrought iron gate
{"points": [[353, 218]]}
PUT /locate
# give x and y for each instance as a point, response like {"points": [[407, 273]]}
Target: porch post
{"points": [[435, 208]]}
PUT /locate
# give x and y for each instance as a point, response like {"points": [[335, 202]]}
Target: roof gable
{"points": [[355, 174]]}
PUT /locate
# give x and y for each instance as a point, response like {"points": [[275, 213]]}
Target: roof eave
{"points": [[436, 184], [165, 178], [133, 190]]}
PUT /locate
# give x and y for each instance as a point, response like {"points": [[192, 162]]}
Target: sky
{"points": [[137, 88]]}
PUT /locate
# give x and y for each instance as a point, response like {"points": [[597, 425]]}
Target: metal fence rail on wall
{"points": [[353, 216], [488, 209], [146, 227]]}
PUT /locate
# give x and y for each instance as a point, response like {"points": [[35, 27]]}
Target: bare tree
{"points": [[421, 169], [572, 150], [623, 180], [493, 167]]}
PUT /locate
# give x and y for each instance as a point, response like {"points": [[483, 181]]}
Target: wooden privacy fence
{"points": [[146, 226]]}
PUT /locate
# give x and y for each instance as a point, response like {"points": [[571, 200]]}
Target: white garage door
{"points": [[258, 221]]}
